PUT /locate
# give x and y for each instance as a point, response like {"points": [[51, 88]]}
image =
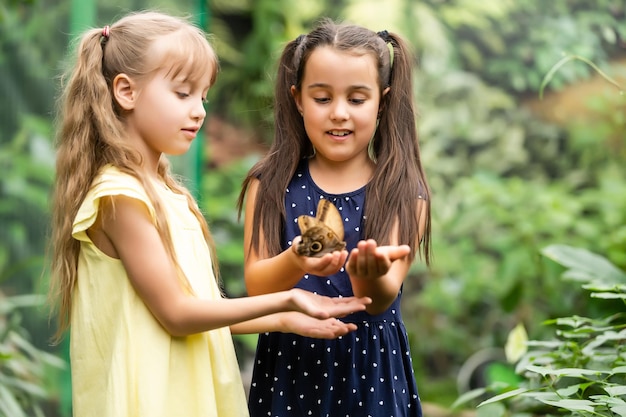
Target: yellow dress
{"points": [[123, 363]]}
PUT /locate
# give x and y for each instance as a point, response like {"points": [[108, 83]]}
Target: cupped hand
{"points": [[330, 328], [370, 261], [324, 266], [323, 307]]}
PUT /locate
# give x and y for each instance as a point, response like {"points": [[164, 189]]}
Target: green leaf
{"points": [[615, 390], [467, 397], [9, 405], [568, 391], [571, 372], [573, 405], [585, 261], [619, 370], [608, 295], [620, 410], [504, 396]]}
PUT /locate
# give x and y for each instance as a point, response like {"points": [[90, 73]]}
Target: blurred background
{"points": [[522, 121]]}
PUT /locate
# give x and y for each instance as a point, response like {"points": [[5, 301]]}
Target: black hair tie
{"points": [[384, 35]]}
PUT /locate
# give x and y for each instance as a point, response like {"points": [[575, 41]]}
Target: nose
{"points": [[339, 110], [198, 112]]}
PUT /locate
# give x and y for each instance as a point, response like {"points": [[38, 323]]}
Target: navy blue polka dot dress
{"points": [[365, 373]]}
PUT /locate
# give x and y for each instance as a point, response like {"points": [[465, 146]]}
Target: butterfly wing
{"points": [[321, 234], [328, 214]]}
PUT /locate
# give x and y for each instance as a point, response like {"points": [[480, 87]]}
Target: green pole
{"points": [[197, 147], [82, 16]]}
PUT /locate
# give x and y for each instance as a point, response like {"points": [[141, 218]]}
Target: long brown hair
{"points": [[91, 134], [398, 182]]}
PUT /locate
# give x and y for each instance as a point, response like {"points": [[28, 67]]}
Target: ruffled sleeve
{"points": [[109, 182]]}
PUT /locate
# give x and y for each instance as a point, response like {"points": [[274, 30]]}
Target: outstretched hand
{"points": [[322, 307], [370, 261], [299, 323]]}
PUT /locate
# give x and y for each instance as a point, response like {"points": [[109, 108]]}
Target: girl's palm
{"points": [[323, 307]]}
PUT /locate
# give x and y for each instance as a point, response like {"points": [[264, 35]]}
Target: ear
{"points": [[381, 106], [125, 91], [297, 98]]}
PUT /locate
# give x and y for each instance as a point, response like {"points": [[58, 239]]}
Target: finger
{"points": [[343, 308], [332, 329], [340, 328], [395, 252], [294, 243], [362, 258]]}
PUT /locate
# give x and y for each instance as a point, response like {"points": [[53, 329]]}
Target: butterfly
{"points": [[321, 234]]}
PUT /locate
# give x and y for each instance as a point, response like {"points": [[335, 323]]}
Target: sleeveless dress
{"points": [[123, 363], [367, 372]]}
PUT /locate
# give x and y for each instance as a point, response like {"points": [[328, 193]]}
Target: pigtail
{"points": [[276, 169], [397, 152], [87, 112]]}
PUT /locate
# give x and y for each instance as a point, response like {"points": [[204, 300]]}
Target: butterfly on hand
{"points": [[321, 234]]}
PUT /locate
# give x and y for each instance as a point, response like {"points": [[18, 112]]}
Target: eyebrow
{"points": [[352, 87]]}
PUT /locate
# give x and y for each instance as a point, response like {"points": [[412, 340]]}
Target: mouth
{"points": [[339, 133], [190, 132]]}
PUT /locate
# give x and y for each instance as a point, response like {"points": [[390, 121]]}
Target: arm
{"points": [[133, 238], [295, 322], [379, 271], [283, 271]]}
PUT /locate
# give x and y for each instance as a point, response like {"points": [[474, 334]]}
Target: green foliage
{"points": [[27, 164], [249, 37], [514, 44], [487, 275], [219, 196], [22, 365], [504, 186], [581, 369]]}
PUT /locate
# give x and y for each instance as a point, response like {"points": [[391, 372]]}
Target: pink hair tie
{"points": [[106, 31]]}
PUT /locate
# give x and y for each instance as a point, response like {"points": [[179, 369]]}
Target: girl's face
{"points": [[167, 114], [339, 102]]}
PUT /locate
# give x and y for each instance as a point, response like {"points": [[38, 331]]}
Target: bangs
{"points": [[188, 53]]}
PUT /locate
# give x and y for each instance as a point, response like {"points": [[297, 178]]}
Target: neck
{"points": [[341, 177]]}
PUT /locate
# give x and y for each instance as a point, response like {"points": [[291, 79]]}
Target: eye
{"points": [[357, 100], [321, 100], [180, 94], [316, 246]]}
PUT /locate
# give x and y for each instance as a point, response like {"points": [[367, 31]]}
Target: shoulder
{"points": [[109, 182]]}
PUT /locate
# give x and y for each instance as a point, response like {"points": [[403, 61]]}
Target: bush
{"points": [[582, 369]]}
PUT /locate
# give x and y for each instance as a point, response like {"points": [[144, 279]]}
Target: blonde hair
{"points": [[91, 135]]}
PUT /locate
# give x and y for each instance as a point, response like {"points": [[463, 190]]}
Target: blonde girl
{"points": [[133, 266]]}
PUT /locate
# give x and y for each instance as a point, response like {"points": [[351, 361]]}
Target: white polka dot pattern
{"points": [[364, 373]]}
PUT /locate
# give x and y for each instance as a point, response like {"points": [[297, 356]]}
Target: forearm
{"points": [[382, 290], [378, 273], [269, 323], [279, 273], [193, 315]]}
